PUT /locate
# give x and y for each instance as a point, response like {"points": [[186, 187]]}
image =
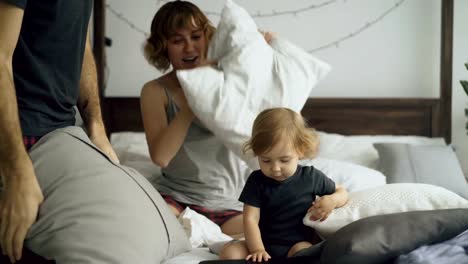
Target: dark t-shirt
{"points": [[47, 62], [284, 204]]}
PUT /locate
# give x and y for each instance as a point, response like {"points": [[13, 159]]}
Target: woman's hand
{"points": [[321, 208], [268, 35], [258, 256], [208, 63]]}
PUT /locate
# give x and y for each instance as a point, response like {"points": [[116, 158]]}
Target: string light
{"points": [[359, 30], [276, 13], [287, 12], [127, 21], [295, 12]]}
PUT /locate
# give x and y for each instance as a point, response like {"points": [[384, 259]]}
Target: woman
{"points": [[198, 170]]}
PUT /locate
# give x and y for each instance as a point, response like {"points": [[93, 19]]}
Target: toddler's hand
{"points": [[258, 256], [321, 208]]}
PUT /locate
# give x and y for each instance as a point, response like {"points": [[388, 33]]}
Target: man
{"points": [[46, 68]]}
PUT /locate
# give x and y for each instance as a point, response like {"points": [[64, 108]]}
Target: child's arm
{"points": [[323, 206], [253, 237]]}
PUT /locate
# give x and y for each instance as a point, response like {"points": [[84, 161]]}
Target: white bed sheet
{"points": [[192, 257]]}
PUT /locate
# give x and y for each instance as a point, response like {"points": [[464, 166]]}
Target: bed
{"points": [[351, 130], [334, 154]]}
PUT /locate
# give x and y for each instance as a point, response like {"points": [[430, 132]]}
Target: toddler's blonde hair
{"points": [[275, 124]]}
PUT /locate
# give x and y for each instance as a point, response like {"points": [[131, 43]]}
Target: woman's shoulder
{"points": [[153, 85], [155, 88], [159, 84]]}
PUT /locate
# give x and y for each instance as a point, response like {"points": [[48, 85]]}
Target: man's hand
{"points": [[102, 142], [19, 204]]}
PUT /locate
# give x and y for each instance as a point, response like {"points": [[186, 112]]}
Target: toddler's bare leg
{"points": [[234, 250], [234, 227], [298, 247]]}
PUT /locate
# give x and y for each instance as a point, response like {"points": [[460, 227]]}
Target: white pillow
{"points": [[254, 76], [387, 199], [132, 150], [201, 230], [359, 149], [352, 176]]}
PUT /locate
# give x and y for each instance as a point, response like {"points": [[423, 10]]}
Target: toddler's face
{"points": [[280, 162]]}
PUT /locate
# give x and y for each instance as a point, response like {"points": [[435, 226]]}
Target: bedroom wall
{"points": [[397, 54], [391, 44], [460, 99]]}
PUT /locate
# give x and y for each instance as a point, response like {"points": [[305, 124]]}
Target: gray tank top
{"points": [[203, 172]]}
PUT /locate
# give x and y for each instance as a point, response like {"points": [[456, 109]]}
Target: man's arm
{"points": [[89, 106], [88, 101], [21, 196], [11, 144]]}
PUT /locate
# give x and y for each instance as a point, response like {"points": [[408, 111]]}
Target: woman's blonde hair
{"points": [[169, 18], [273, 125]]}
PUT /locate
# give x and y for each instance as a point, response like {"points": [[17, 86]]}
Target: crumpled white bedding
{"points": [[202, 233], [201, 230]]}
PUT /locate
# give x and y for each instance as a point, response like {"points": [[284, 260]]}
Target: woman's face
{"points": [[186, 48]]}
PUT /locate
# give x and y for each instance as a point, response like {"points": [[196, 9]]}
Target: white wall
{"points": [[460, 100], [398, 56]]}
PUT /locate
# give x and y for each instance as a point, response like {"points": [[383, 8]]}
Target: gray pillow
{"points": [[436, 165], [96, 211], [379, 239]]}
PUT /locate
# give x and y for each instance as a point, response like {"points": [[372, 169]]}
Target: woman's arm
{"points": [[253, 236], [164, 140]]}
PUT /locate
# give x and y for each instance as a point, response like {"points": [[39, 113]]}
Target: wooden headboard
{"points": [[347, 116]]}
